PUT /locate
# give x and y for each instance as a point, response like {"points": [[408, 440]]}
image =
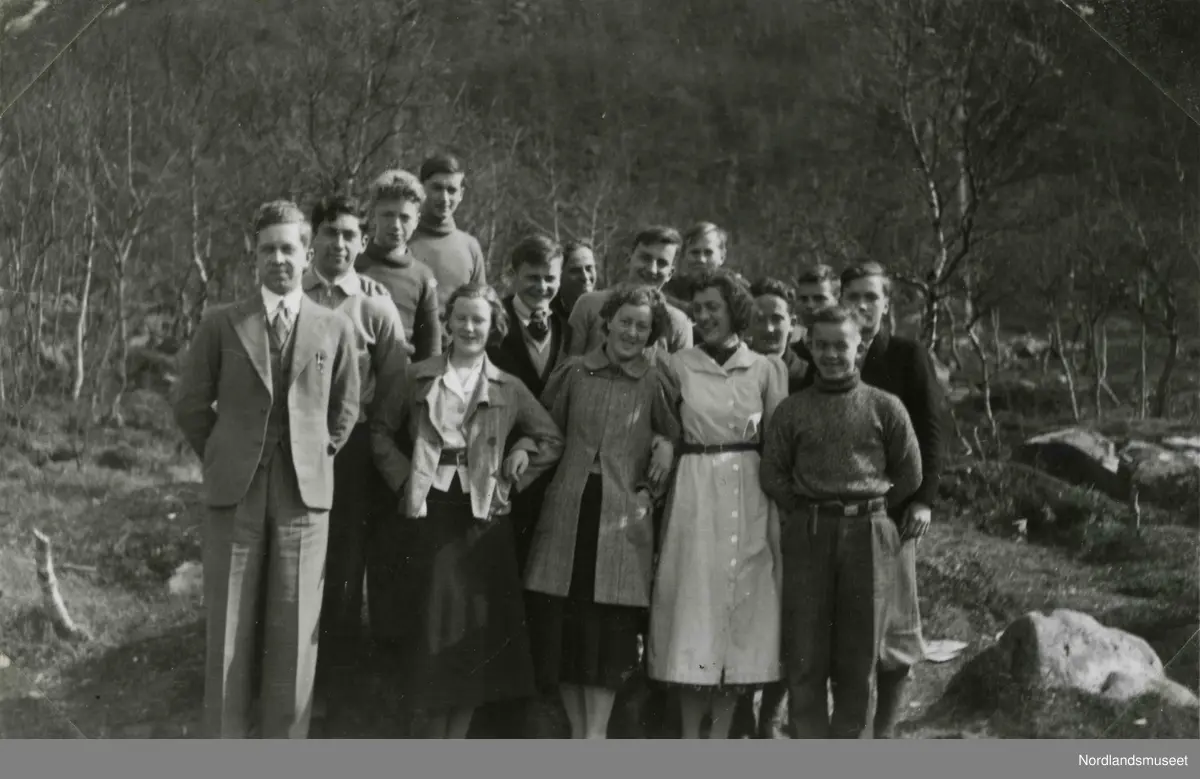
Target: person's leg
{"points": [[345, 565], [234, 547], [723, 704], [459, 722], [693, 705], [576, 708], [772, 713], [296, 580], [809, 545], [598, 706], [865, 575], [744, 716], [903, 644]]}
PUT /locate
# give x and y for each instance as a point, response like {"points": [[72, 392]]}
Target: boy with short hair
{"points": [[393, 210], [837, 456], [771, 333], [382, 352], [816, 287], [578, 275], [453, 255]]}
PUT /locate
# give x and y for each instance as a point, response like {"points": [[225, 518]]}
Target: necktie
{"points": [[282, 324], [539, 326]]}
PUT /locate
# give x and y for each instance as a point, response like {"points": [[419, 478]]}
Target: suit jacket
{"points": [[512, 355], [224, 396], [902, 366], [408, 446]]}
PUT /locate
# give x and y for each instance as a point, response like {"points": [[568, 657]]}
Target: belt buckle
{"points": [[850, 509]]}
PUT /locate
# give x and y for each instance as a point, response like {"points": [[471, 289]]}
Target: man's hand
{"points": [[515, 465], [661, 458], [916, 521]]}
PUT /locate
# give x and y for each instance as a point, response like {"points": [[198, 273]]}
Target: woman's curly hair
{"points": [[633, 294], [734, 291], [499, 325]]}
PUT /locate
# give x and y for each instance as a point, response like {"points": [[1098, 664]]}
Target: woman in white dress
{"points": [[715, 610]]}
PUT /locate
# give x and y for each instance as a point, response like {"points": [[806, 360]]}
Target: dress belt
{"points": [[740, 446]]}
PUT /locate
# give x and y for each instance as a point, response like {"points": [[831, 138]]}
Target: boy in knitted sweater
{"points": [[837, 456]]}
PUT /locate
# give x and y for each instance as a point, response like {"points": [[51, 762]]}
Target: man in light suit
{"points": [[268, 394]]}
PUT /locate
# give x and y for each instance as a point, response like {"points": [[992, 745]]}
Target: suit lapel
{"points": [[307, 338], [251, 329]]}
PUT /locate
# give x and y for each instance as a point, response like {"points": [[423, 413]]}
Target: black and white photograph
{"points": [[601, 369]]}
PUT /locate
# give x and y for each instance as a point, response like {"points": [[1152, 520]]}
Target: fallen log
{"points": [[52, 600]]}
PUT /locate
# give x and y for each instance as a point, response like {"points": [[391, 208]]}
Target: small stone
{"points": [[1140, 722], [4, 661]]}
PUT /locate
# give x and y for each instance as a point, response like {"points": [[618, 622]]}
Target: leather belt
{"points": [[453, 457], [845, 508]]}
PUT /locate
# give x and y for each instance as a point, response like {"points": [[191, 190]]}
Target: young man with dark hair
{"points": [[393, 210], [771, 334], [453, 255], [816, 287], [382, 351], [268, 394], [839, 457], [651, 262], [533, 347], [902, 367], [578, 275]]}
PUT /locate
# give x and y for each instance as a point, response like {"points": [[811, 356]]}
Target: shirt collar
{"points": [[349, 282], [523, 311], [291, 301]]}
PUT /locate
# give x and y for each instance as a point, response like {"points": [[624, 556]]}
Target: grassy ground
{"points": [[123, 529]]}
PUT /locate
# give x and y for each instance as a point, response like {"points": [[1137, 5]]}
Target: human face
{"points": [[704, 253], [868, 297], [537, 283], [469, 325], [810, 297], [712, 316], [336, 245], [628, 331], [772, 325], [282, 254], [394, 222], [836, 348], [579, 273], [652, 264], [443, 193]]}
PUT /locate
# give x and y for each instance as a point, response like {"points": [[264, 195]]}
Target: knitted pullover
{"points": [[454, 256], [840, 440], [413, 290]]}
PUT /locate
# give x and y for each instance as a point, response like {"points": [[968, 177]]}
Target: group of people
{"points": [[686, 478]]}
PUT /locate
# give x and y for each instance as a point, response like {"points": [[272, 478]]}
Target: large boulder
{"points": [[1080, 457], [1066, 649], [1165, 476]]}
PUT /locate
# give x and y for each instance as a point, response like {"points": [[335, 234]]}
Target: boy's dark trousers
{"points": [[839, 563], [341, 654]]}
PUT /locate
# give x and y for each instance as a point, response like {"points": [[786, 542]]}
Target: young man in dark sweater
{"points": [[453, 255], [394, 208], [837, 457], [901, 366], [816, 287]]}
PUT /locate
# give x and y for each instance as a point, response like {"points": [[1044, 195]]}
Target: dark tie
{"points": [[539, 325]]}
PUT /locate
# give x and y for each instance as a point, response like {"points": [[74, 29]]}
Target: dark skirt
{"points": [[469, 644], [575, 639]]}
